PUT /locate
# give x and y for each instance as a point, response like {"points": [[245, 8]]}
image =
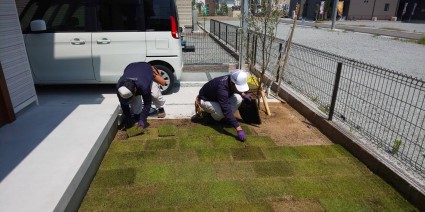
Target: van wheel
{"points": [[168, 76]]}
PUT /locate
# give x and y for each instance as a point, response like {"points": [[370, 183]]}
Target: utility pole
{"points": [[373, 9], [334, 12], [244, 24]]}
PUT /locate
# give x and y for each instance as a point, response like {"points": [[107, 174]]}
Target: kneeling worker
{"points": [[222, 96], [133, 85]]}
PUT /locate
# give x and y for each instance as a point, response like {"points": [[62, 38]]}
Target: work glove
{"points": [[247, 97], [142, 123], [241, 135]]}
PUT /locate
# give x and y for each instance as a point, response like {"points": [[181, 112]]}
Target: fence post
{"points": [[219, 30], [335, 91], [236, 47], [278, 59], [255, 51], [226, 34]]}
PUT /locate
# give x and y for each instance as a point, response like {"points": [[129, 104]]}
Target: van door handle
{"points": [[104, 41], [77, 41]]}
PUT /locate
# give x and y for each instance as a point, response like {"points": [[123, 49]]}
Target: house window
{"points": [[387, 7]]}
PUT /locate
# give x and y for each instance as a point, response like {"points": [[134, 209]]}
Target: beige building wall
{"points": [[364, 9], [380, 12], [184, 8]]}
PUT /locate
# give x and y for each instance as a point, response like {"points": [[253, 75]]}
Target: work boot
{"points": [[161, 113]]}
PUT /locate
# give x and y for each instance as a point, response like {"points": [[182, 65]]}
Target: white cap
{"points": [[239, 78], [124, 92]]}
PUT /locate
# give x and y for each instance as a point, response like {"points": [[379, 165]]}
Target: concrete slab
{"points": [[194, 76], [42, 153]]}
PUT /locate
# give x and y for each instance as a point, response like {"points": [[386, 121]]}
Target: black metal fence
{"points": [[206, 50], [384, 108]]}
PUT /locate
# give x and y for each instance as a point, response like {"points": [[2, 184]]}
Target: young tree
{"points": [[263, 23]]}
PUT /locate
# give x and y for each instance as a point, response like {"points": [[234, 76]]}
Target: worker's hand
{"points": [[142, 123], [241, 135], [247, 97]]}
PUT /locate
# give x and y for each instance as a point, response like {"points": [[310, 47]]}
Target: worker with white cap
{"points": [[222, 96], [133, 86]]}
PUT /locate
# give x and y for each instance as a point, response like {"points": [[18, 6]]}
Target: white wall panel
{"points": [[13, 58]]}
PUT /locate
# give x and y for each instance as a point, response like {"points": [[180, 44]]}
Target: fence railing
{"points": [[206, 50], [385, 108]]}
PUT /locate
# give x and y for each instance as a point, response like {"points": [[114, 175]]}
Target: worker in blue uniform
{"points": [[222, 96], [133, 86]]}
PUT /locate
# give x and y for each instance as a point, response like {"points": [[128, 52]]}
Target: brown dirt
{"points": [[285, 126], [288, 128]]}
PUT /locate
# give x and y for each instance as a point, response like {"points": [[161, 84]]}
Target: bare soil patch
{"points": [[288, 128], [285, 126]]}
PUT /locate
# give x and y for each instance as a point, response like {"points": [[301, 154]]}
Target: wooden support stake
{"points": [[266, 105]]}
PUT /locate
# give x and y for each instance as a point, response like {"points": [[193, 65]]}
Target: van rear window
{"points": [[135, 15]]}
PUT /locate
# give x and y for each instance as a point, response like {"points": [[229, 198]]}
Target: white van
{"points": [[92, 41]]}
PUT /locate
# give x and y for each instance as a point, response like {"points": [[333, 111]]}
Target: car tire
{"points": [[168, 76]]}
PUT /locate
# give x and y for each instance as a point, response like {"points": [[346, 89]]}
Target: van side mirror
{"points": [[38, 25]]}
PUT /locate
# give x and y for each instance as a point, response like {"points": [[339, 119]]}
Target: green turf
{"points": [[205, 168]]}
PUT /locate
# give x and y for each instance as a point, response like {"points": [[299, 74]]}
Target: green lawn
{"points": [[203, 168]]}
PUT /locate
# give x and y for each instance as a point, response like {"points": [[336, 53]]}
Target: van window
{"points": [[135, 15], [158, 14], [120, 15], [59, 15]]}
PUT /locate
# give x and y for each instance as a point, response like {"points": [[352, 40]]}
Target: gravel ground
{"points": [[396, 25], [409, 27], [397, 55]]}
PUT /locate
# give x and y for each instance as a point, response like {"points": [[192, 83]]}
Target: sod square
{"points": [[340, 150], [350, 187], [202, 131], [324, 167], [95, 199], [182, 193], [306, 187], [273, 169], [158, 144], [264, 188], [234, 207], [154, 172], [281, 153], [344, 204], [234, 171], [127, 159], [260, 141], [167, 130], [310, 152], [290, 204], [126, 146], [134, 131], [214, 155], [225, 191], [223, 141], [194, 172], [194, 143], [247, 154], [114, 177], [133, 198], [177, 156]]}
